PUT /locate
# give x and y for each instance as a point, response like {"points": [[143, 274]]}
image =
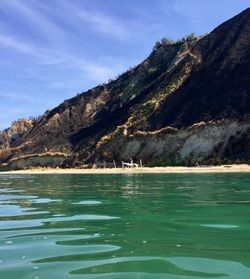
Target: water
{"points": [[159, 226]]}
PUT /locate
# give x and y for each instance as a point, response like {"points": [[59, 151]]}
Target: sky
{"points": [[50, 50]]}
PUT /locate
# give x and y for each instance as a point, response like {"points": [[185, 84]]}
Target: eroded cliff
{"points": [[188, 102]]}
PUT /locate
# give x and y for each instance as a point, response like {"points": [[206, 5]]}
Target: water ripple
{"points": [[125, 226]]}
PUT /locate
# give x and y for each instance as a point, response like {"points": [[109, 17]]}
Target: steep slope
{"points": [[178, 85], [11, 134], [219, 86], [78, 124], [17, 130]]}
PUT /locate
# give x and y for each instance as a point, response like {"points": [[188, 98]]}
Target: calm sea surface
{"points": [[173, 226]]}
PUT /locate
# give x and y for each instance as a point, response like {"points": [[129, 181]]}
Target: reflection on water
{"points": [[125, 226]]}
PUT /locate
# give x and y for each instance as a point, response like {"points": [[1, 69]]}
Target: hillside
{"points": [[188, 102]]}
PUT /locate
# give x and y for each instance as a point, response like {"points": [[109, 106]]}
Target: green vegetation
{"points": [[148, 107], [165, 161], [168, 42]]}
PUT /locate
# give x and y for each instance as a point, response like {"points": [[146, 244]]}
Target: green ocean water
{"points": [[173, 226]]}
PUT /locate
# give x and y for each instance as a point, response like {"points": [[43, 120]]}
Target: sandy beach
{"points": [[200, 169]]}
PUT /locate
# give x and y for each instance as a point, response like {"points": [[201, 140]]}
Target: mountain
{"points": [[188, 102]]}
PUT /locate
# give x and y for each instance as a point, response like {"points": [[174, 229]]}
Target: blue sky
{"points": [[50, 50]]}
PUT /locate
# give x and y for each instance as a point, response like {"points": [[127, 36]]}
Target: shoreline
{"points": [[200, 169]]}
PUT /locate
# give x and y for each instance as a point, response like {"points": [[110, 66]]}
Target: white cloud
{"points": [[21, 97], [45, 56], [39, 21], [58, 54], [101, 22], [99, 72], [104, 24], [9, 41]]}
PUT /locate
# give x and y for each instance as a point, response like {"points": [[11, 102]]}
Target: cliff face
{"points": [[149, 112], [16, 131], [225, 141], [219, 85]]}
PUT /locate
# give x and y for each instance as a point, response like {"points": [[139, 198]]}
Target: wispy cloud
{"points": [[19, 97], [11, 42], [104, 24], [45, 56], [52, 52], [62, 56], [101, 22], [38, 20], [96, 71]]}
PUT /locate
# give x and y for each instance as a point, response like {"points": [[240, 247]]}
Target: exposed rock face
{"points": [[200, 143], [151, 112], [219, 85], [16, 131]]}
